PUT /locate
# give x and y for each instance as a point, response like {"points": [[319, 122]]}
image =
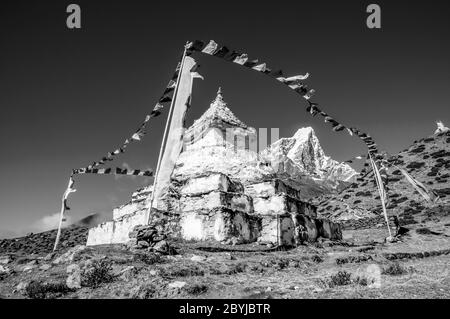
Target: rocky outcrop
{"points": [[441, 128], [43, 242]]}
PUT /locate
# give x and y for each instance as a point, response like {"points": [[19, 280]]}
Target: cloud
{"points": [[49, 222], [94, 219]]}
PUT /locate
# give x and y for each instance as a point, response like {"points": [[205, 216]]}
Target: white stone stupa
{"points": [[222, 191]]}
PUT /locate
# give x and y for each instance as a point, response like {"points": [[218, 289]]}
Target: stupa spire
{"points": [[219, 97]]}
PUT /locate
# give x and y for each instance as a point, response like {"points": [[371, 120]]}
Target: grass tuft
{"points": [[394, 269]]}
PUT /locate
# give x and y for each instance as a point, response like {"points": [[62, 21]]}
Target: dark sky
{"points": [[70, 96]]}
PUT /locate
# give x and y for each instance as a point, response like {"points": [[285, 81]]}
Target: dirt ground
{"points": [[360, 266]]}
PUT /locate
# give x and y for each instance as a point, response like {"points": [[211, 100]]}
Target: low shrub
{"points": [[342, 278], [182, 271], [147, 258], [46, 290], [361, 281], [99, 272], [145, 291], [196, 289], [394, 269], [317, 259]]}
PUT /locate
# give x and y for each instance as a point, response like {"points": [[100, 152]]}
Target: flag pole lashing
{"points": [[152, 197], [63, 210], [381, 191]]}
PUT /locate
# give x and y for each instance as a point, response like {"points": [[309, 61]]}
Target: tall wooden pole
{"points": [[147, 217], [381, 192], [61, 215]]}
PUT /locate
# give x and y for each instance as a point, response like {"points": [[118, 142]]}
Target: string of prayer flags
{"points": [[210, 48], [137, 136], [293, 79], [309, 94], [313, 109], [358, 157], [156, 110], [260, 67], [140, 132], [293, 82], [251, 64], [221, 52], [231, 56], [195, 45], [114, 171], [275, 74], [241, 59]]}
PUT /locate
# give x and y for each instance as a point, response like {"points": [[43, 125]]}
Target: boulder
{"points": [[73, 280], [161, 247], [127, 273], [143, 233], [30, 266], [45, 267], [198, 258], [4, 270], [5, 259], [176, 284], [70, 256], [49, 256], [22, 287]]}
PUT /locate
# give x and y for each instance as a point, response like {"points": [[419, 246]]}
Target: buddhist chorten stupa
{"points": [[222, 191]]}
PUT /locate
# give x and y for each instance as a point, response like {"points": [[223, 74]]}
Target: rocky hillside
{"points": [[42, 243], [427, 160]]}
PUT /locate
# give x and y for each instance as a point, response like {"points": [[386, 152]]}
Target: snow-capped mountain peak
{"points": [[304, 154]]}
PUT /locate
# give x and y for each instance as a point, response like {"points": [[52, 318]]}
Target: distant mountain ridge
{"points": [[302, 155]]}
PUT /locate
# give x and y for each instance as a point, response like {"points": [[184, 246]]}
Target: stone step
{"points": [[281, 204], [217, 199], [208, 183], [270, 188]]}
